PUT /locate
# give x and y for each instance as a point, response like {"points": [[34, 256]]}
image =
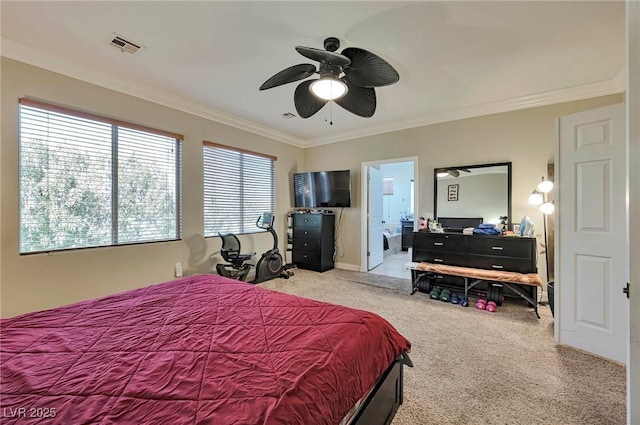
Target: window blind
{"points": [[238, 188], [87, 182]]}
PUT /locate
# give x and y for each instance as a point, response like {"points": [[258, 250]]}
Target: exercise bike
{"points": [[269, 266]]}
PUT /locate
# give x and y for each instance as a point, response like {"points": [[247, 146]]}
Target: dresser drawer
{"points": [[509, 247], [439, 242], [306, 232], [306, 244], [308, 257], [520, 265], [448, 259], [307, 220]]}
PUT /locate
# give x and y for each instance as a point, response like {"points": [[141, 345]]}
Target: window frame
{"points": [[114, 204], [207, 144]]}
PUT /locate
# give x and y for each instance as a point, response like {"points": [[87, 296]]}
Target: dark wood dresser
{"points": [[313, 241], [513, 254]]}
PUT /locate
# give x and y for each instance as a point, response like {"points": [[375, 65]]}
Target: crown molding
{"points": [[29, 55], [602, 88], [23, 53]]}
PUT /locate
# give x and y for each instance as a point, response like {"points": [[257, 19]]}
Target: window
{"points": [[88, 181], [238, 188]]}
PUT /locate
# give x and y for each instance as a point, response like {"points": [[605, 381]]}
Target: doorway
{"points": [[389, 199]]}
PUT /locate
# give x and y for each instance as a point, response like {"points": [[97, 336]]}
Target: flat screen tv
{"points": [[322, 189]]}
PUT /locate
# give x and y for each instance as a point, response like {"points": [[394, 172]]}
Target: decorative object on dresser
{"points": [[313, 241], [481, 253]]}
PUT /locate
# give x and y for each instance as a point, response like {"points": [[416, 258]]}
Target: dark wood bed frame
{"points": [[383, 401]]}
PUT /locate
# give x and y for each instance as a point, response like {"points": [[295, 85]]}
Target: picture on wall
{"points": [[453, 192]]}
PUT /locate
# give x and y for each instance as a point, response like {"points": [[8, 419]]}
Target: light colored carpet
{"points": [[475, 367]]}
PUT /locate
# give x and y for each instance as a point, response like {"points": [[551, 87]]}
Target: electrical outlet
{"points": [[178, 269]]}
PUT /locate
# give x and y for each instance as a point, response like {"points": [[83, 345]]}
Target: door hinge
{"points": [[626, 290], [368, 253]]}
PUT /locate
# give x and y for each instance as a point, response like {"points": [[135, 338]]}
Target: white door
{"points": [[594, 312], [374, 217]]}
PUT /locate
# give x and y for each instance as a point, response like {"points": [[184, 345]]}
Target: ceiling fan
{"points": [[347, 78], [453, 172]]}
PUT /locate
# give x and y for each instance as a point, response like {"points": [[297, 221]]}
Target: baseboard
{"points": [[347, 266]]}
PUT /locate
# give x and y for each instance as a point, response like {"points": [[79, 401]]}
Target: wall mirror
{"points": [[466, 196]]}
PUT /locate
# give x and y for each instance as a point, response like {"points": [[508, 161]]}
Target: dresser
{"points": [[502, 253], [313, 241]]}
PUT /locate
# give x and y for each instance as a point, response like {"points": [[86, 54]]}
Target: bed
{"points": [[201, 350]]}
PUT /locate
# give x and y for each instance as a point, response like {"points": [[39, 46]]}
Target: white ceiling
{"points": [[456, 59]]}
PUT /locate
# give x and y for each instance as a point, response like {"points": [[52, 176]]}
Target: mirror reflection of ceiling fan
{"points": [[451, 172]]}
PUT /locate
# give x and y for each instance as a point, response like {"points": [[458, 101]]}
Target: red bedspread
{"points": [[197, 350]]}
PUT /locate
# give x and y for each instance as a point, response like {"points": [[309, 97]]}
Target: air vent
{"points": [[288, 115], [125, 45]]}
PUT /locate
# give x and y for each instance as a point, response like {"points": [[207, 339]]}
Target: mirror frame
{"points": [[497, 164]]}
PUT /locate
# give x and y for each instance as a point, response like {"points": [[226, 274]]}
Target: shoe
{"points": [[481, 304], [464, 302], [455, 299], [491, 307]]}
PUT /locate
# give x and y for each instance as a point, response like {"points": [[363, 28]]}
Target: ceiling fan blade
{"points": [[368, 69], [289, 75], [323, 56], [358, 100], [306, 103]]}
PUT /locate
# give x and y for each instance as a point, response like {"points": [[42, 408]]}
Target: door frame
{"points": [[364, 197], [632, 101]]}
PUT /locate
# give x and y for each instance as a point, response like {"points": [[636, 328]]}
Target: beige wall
{"points": [[525, 137], [35, 282]]}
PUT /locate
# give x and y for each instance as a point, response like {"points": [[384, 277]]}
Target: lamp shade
{"points": [[547, 208], [536, 198], [328, 88], [545, 186]]}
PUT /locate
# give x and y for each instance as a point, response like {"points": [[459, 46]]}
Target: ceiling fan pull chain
{"points": [[331, 113]]}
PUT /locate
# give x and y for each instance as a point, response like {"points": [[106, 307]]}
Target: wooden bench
{"points": [[474, 276]]}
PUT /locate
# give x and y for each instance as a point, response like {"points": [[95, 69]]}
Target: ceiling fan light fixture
{"points": [[442, 173], [328, 88]]}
